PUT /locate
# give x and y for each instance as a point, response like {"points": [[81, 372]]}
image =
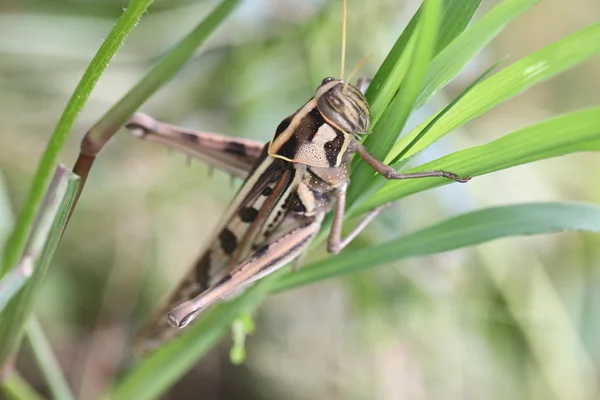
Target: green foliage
{"points": [[26, 278], [462, 231]]}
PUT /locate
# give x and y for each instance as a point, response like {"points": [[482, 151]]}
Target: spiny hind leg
{"points": [[193, 297], [236, 156], [264, 261]]}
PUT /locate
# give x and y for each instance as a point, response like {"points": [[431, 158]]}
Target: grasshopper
{"points": [[290, 184]]}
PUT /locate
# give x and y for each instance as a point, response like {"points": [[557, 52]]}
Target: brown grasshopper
{"points": [[290, 184]]}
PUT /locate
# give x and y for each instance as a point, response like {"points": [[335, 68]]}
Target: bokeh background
{"points": [[517, 318]]}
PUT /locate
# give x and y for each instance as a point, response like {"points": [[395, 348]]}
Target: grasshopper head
{"points": [[343, 105]]}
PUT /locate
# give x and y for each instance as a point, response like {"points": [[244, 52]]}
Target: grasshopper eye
{"points": [[327, 80]]}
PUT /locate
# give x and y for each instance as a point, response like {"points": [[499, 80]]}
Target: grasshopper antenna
{"points": [[344, 13], [361, 63]]}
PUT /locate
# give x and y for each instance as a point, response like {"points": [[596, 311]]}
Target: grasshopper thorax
{"points": [[319, 133]]}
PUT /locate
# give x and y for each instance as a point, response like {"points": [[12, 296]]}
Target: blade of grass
{"points": [[455, 16], [577, 131], [445, 110], [13, 282], [49, 160], [16, 388], [38, 252], [516, 78], [161, 73], [393, 119], [153, 375], [462, 231], [448, 63], [564, 361], [47, 361]]}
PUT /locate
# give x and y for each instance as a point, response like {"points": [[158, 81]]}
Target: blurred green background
{"points": [[515, 318]]}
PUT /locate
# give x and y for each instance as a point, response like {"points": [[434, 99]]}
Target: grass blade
{"points": [[42, 243], [444, 111], [153, 375], [47, 361], [578, 131], [455, 16], [516, 78], [16, 388], [462, 231], [447, 64], [393, 119], [49, 160], [13, 282]]}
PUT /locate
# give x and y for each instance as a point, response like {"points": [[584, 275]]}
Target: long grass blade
{"points": [[15, 387], [462, 231], [455, 16], [393, 119], [575, 132], [40, 247], [47, 361], [49, 161], [514, 79], [153, 375], [456, 55]]}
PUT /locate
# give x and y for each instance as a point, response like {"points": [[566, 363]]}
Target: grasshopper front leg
{"points": [[236, 156], [390, 173], [335, 243]]}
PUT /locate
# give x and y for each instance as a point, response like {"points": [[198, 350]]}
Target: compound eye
{"points": [[327, 80]]}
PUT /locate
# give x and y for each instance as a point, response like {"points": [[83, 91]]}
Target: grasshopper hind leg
{"points": [[264, 261], [233, 155], [193, 298]]}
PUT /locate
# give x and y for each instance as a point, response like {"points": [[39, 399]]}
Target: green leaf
{"points": [[462, 231], [447, 64], [36, 257], [47, 361], [578, 131], [12, 282], [153, 375], [444, 111], [509, 82], [456, 15], [393, 119], [49, 160], [16, 388]]}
